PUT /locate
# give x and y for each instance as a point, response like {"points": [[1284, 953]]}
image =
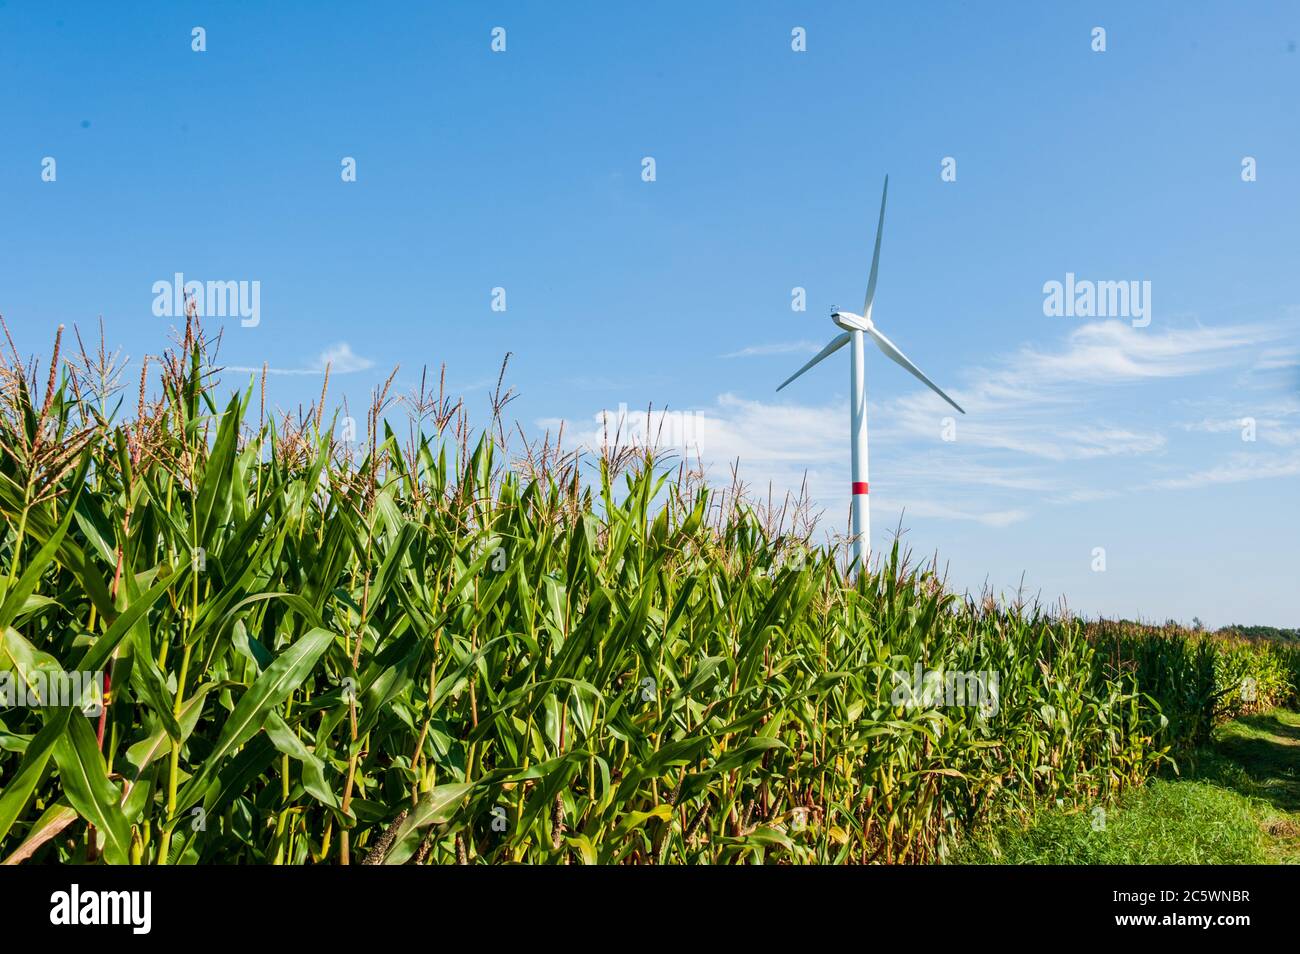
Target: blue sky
{"points": [[522, 170]]}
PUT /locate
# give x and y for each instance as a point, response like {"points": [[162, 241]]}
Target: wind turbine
{"points": [[856, 328]]}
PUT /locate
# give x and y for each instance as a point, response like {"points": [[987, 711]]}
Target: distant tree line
{"points": [[1259, 632]]}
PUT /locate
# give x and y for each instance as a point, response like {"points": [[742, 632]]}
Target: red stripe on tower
{"points": [[859, 487]]}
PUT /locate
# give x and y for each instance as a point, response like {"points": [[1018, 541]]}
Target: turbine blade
{"points": [[891, 351], [836, 343], [875, 258]]}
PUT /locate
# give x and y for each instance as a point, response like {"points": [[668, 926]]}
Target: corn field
{"points": [[414, 649]]}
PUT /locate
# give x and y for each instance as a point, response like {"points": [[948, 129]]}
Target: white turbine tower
{"points": [[855, 327]]}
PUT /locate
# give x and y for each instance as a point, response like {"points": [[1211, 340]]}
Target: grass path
{"points": [[1237, 802], [1258, 757]]}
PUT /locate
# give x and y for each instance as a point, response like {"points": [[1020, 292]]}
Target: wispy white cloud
{"points": [[1032, 403], [1277, 359], [1208, 426], [1109, 352], [786, 347], [339, 358], [1030, 414], [1238, 468], [787, 446], [931, 509], [1087, 495], [733, 428], [972, 473], [1271, 421]]}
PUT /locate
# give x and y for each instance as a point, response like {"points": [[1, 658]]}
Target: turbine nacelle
{"points": [[851, 322]]}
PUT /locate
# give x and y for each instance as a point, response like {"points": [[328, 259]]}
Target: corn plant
{"points": [[412, 650]]}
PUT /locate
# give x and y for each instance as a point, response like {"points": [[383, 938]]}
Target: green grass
{"points": [[1258, 758], [1162, 823], [1236, 804]]}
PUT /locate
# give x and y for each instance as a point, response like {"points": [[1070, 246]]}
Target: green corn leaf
{"points": [[267, 692], [52, 821], [18, 789], [313, 769], [435, 807], [26, 584], [85, 783]]}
